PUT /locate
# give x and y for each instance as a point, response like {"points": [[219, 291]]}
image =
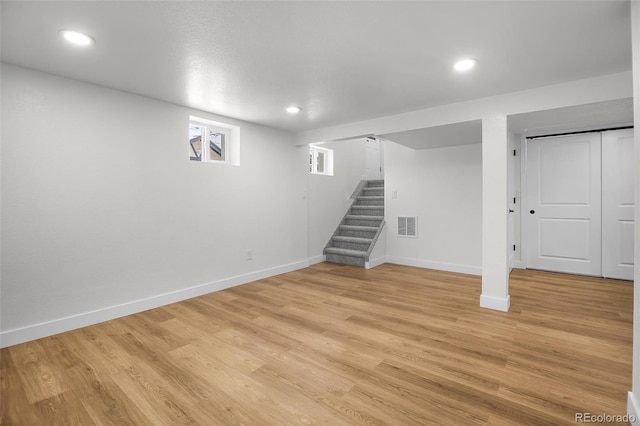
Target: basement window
{"points": [[320, 161], [213, 142]]}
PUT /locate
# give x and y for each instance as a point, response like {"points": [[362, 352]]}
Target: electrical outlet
{"points": [[394, 193], [250, 254]]}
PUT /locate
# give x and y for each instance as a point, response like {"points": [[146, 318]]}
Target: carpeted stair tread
{"points": [[352, 239], [363, 207], [370, 197], [373, 191], [364, 217], [345, 252], [359, 228]]}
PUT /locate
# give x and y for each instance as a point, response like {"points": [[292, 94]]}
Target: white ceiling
{"points": [[339, 61]]}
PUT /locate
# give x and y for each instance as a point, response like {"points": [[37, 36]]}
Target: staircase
{"points": [[355, 237]]}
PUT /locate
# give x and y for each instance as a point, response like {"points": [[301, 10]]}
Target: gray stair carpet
{"points": [[357, 233]]}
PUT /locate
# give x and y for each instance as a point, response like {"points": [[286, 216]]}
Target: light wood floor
{"points": [[336, 345]]}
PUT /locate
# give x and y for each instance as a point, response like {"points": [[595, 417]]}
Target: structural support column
{"points": [[633, 401], [495, 254]]}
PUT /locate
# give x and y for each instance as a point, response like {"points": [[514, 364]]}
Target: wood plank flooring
{"points": [[339, 345]]}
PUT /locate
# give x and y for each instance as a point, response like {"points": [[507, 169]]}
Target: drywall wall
{"points": [[443, 187], [329, 196], [101, 205]]}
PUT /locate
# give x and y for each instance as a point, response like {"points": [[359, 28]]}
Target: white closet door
{"points": [[617, 204], [563, 208]]}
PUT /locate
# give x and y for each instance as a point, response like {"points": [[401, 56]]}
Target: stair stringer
{"points": [[375, 240]]}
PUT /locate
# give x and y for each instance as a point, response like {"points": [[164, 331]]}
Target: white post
{"points": [[633, 406], [495, 254]]}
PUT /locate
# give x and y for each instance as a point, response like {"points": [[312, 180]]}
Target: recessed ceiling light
{"points": [[465, 64], [293, 109], [77, 38]]}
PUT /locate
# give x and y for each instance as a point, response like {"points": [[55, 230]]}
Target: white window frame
{"points": [[328, 160], [230, 149]]}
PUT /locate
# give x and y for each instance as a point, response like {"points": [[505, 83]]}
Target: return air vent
{"points": [[407, 226]]}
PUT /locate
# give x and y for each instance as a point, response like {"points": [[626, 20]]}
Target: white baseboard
{"points": [[317, 259], [633, 408], [49, 328], [496, 303], [375, 262], [451, 267]]}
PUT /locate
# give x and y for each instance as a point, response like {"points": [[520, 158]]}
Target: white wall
{"points": [[101, 206], [329, 196], [443, 187]]}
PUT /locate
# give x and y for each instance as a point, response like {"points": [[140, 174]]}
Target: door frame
{"points": [[523, 196]]}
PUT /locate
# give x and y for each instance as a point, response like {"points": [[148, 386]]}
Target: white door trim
{"points": [[523, 196]]}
